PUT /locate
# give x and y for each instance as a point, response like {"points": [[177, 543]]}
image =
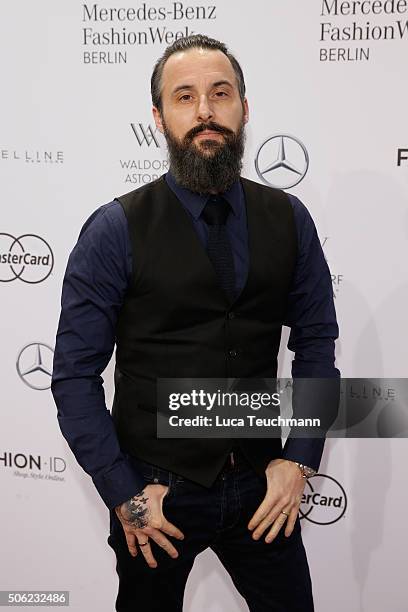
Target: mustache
{"points": [[214, 127]]}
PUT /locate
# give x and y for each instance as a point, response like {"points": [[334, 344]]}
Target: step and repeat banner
{"points": [[328, 94]]}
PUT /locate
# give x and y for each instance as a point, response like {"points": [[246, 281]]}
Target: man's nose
{"points": [[205, 111]]}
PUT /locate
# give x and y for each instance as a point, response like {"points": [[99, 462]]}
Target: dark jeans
{"points": [[271, 577]]}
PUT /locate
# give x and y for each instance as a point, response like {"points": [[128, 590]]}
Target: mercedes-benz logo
{"points": [[34, 365], [282, 161]]}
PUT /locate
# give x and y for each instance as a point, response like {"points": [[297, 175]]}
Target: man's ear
{"points": [[246, 110], [158, 119]]}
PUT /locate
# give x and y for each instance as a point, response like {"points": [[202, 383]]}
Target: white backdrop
{"points": [[75, 133]]}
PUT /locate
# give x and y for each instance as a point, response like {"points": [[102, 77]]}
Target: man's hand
{"points": [[285, 485], [142, 518]]}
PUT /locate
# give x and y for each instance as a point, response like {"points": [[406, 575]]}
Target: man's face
{"points": [[199, 90]]}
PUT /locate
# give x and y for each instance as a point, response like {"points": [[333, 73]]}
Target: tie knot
{"points": [[216, 211]]}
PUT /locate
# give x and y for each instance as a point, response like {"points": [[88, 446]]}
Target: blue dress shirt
{"points": [[96, 279]]}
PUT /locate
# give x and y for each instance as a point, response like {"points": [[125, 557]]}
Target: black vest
{"points": [[177, 322]]}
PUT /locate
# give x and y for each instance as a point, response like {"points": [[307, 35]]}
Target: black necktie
{"points": [[219, 250]]}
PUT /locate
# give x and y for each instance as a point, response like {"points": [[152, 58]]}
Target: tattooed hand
{"points": [[142, 519]]}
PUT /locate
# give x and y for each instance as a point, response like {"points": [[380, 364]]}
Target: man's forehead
{"points": [[196, 63]]}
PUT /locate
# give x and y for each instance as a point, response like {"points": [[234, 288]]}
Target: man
{"points": [[194, 275]]}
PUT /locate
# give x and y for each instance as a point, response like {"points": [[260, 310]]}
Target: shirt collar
{"points": [[195, 202]]}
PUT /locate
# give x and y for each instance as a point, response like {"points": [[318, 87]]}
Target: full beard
{"points": [[213, 167]]}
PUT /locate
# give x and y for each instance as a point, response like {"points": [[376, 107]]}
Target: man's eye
{"points": [[185, 97], [221, 94]]}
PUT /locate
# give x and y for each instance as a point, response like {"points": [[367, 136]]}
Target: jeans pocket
{"points": [[154, 474], [167, 478], [143, 468]]}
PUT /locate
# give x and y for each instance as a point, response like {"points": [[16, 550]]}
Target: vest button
{"points": [[233, 353]]}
